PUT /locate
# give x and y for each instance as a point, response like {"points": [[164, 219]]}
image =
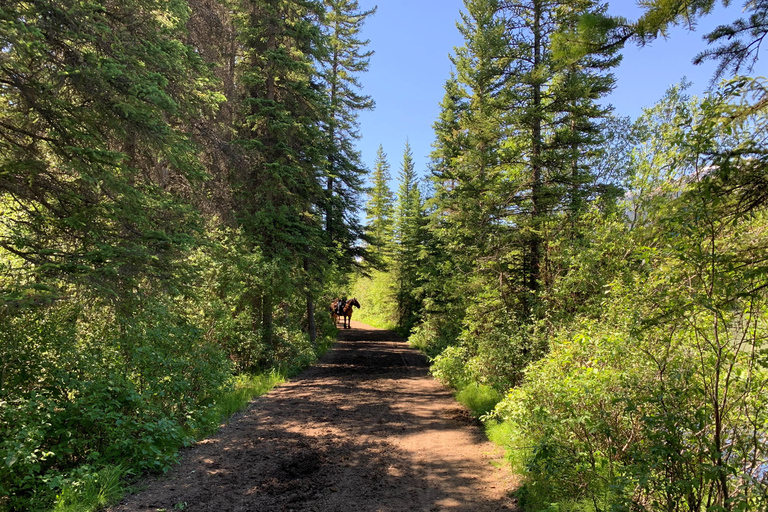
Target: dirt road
{"points": [[366, 429]]}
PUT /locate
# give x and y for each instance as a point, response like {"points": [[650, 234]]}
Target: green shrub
{"points": [[450, 367], [437, 332], [102, 388], [479, 398], [377, 304]]}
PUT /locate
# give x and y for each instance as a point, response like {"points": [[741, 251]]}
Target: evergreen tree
{"points": [[519, 129], [379, 211], [408, 237], [280, 193], [554, 126], [740, 41], [449, 139], [93, 163], [346, 59]]}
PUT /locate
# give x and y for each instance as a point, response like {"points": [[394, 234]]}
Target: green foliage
{"points": [[517, 191], [79, 401], [232, 279], [91, 119], [657, 402], [436, 332], [740, 41], [478, 398], [409, 237], [374, 293], [347, 57], [380, 209], [246, 387], [450, 367], [122, 320], [92, 491]]}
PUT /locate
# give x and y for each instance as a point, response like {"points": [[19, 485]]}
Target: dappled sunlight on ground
{"points": [[366, 429]]}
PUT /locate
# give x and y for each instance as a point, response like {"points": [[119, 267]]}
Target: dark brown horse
{"points": [[346, 312]]}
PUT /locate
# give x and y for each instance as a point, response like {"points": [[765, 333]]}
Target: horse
{"points": [[346, 312], [335, 311]]}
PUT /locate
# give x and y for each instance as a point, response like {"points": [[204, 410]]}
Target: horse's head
{"points": [[354, 302]]}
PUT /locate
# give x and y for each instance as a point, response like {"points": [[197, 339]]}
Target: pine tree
{"points": [[518, 129], [346, 59], [379, 211], [280, 193], [93, 162], [553, 125], [740, 40], [470, 156], [409, 221]]}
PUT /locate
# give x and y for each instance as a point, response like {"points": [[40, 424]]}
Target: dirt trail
{"points": [[366, 429]]}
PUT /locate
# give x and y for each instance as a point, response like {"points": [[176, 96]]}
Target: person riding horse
{"points": [[340, 303], [343, 308]]}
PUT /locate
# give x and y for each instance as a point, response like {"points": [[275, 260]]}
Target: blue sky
{"points": [[413, 39]]}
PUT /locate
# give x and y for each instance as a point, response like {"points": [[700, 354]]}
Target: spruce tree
{"points": [[553, 125], [346, 58], [519, 127], [93, 162], [470, 156], [409, 221], [379, 211], [280, 193]]}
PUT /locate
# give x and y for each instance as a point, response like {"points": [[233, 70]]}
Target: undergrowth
{"points": [[478, 398], [93, 489]]}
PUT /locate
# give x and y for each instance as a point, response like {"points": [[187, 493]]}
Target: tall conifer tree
{"points": [[346, 59], [554, 123], [517, 129], [409, 224], [91, 99], [379, 211], [280, 193]]}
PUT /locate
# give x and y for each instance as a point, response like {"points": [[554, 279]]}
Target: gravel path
{"points": [[365, 429]]}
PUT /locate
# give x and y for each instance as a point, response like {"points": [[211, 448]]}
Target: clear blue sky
{"points": [[413, 39]]}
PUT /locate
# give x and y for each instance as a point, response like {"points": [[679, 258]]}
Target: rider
{"points": [[340, 306]]}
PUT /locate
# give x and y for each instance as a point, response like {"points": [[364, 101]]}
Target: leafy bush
{"points": [[88, 403], [480, 399], [569, 424], [450, 366], [377, 303], [437, 331]]}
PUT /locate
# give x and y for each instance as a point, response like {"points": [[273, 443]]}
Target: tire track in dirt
{"points": [[364, 430]]}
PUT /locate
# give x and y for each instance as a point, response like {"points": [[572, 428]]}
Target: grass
{"points": [[374, 321], [499, 432], [479, 398], [94, 492], [97, 490], [247, 387]]}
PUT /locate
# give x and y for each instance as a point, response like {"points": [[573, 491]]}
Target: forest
{"points": [[181, 197]]}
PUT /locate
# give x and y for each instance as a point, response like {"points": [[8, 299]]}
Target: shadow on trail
{"points": [[360, 431]]}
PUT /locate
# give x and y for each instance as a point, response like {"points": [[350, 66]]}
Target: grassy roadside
{"points": [[101, 488]]}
